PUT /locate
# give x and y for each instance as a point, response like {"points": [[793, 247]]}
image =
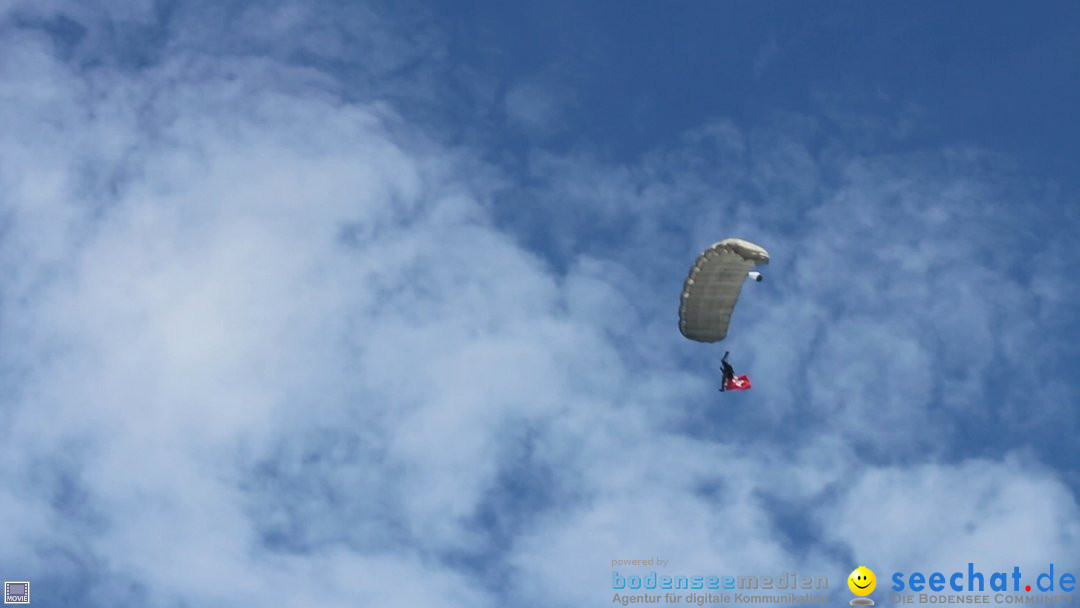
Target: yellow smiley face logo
{"points": [[862, 581]]}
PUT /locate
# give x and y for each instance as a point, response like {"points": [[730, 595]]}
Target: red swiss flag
{"points": [[738, 383]]}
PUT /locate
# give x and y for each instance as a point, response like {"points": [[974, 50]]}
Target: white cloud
{"points": [[999, 514], [264, 342]]}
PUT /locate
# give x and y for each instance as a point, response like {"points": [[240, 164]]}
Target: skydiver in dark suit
{"points": [[729, 372]]}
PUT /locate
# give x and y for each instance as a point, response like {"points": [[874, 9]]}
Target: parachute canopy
{"points": [[713, 286]]}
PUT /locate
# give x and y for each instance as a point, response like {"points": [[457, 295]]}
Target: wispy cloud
{"points": [[265, 336]]}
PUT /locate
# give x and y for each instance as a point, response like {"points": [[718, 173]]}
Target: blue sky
{"points": [[375, 303]]}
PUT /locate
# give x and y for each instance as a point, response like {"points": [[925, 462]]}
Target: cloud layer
{"points": [[269, 334]]}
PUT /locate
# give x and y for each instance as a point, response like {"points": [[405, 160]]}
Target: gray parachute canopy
{"points": [[713, 286]]}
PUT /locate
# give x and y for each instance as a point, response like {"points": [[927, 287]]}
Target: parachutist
{"points": [[729, 372], [709, 294]]}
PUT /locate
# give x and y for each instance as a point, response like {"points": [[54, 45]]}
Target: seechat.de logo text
{"points": [[973, 586]]}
